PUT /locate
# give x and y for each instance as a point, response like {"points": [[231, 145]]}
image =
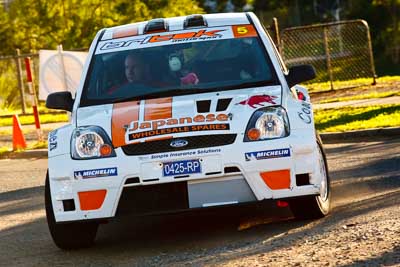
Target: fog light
{"points": [[105, 150], [253, 134]]}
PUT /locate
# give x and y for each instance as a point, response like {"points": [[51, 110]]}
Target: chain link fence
{"points": [[339, 51]]}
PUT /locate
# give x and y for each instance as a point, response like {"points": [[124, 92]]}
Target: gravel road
{"points": [[362, 230]]}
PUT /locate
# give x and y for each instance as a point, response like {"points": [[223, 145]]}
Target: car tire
{"points": [[314, 207], [71, 235]]}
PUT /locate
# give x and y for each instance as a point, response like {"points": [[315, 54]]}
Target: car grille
{"points": [[140, 200], [193, 143]]}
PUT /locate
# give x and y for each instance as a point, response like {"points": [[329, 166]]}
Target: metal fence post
{"points": [[328, 56], [371, 55], [275, 28], [20, 81]]}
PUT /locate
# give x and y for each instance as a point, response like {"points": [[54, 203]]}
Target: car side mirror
{"points": [[60, 100], [299, 74]]}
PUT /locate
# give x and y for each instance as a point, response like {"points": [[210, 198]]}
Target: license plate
{"points": [[181, 167]]}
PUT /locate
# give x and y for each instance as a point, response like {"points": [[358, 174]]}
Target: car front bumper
{"points": [[228, 177]]}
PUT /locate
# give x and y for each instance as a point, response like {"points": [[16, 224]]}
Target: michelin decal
{"points": [[96, 173], [267, 154]]}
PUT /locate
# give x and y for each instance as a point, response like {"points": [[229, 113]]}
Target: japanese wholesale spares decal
{"points": [[85, 174], [151, 40], [267, 154], [178, 126], [137, 120]]}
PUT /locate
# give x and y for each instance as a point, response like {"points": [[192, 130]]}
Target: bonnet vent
{"points": [[223, 104], [203, 106]]}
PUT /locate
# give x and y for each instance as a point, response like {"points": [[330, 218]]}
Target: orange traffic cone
{"points": [[18, 136]]}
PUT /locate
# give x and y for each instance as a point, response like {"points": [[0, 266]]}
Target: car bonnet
{"points": [[224, 112]]}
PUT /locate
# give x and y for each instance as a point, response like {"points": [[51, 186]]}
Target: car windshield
{"points": [[177, 69]]}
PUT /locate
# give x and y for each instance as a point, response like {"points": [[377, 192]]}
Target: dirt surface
{"points": [[362, 230], [380, 87]]}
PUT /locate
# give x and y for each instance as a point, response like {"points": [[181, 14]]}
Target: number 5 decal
{"points": [[240, 31]]}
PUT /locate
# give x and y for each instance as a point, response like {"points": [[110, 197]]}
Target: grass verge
{"points": [[26, 132], [38, 145], [4, 150], [326, 86], [29, 119], [4, 111], [357, 118], [361, 97]]}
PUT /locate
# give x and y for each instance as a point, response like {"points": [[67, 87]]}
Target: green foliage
{"points": [[32, 25], [74, 23], [139, 10], [213, 6], [8, 85], [5, 32], [383, 17]]}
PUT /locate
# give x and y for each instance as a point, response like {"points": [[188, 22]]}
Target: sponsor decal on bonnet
{"points": [[182, 129], [267, 154], [256, 101], [130, 122], [96, 173]]}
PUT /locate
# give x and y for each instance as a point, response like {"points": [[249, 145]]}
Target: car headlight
{"points": [[267, 123], [91, 142]]}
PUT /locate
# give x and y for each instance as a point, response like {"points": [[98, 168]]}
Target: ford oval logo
{"points": [[179, 143]]}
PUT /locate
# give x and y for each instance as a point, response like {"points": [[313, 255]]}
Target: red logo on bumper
{"points": [[258, 100]]}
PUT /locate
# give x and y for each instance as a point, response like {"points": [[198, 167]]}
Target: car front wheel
{"points": [[70, 235], [313, 207]]}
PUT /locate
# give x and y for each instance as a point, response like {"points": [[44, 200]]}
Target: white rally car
{"points": [[178, 114]]}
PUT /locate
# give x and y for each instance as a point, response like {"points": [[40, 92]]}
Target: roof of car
{"points": [[175, 24]]}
